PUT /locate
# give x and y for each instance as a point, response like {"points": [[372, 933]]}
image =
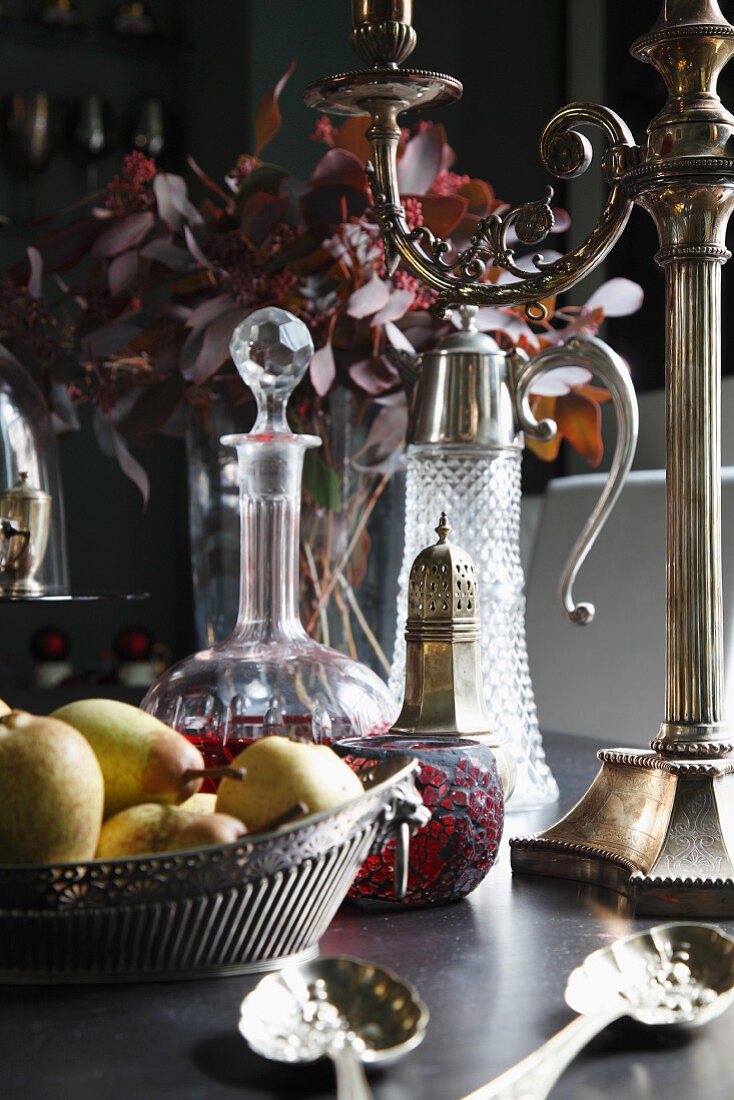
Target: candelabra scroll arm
{"points": [[459, 276], [596, 356]]}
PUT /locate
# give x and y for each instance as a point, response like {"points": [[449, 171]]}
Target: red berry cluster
{"points": [[132, 190]]}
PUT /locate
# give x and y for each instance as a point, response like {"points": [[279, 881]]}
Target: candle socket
{"points": [[382, 31]]}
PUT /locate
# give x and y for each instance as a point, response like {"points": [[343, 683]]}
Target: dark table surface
{"points": [[492, 970]]}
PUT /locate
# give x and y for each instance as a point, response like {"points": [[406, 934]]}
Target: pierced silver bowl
{"points": [[239, 908]]}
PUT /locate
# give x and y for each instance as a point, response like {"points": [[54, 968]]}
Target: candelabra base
{"points": [[657, 829]]}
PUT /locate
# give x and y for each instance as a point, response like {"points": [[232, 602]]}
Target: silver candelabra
{"points": [[656, 825]]}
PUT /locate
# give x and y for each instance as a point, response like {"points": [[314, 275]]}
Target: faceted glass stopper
{"points": [[271, 350]]}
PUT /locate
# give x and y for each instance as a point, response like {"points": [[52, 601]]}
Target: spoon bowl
{"points": [[672, 974], [350, 1011]]}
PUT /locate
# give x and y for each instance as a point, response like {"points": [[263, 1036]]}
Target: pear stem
{"points": [[225, 772]]}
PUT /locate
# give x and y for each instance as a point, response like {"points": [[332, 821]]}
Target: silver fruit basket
{"points": [[238, 908]]}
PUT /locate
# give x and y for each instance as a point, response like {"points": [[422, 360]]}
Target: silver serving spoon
{"points": [[672, 974], [350, 1011]]}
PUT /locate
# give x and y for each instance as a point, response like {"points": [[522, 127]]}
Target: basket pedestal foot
{"points": [[657, 829]]}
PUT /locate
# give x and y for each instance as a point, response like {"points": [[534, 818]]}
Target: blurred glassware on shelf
{"points": [[269, 677], [149, 134], [61, 13], [13, 542], [91, 136], [133, 650], [28, 446], [134, 19], [50, 649], [34, 127], [28, 509]]}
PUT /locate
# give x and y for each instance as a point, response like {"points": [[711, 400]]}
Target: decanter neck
{"points": [[270, 472]]}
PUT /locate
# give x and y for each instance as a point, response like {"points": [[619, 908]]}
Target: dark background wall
{"points": [[518, 62]]}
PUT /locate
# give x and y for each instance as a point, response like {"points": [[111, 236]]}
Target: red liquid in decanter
{"points": [[220, 749]]}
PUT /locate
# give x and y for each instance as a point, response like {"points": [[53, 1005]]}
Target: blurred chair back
{"points": [[606, 680]]}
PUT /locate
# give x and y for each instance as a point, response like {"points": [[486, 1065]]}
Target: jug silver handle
{"points": [[602, 361]]}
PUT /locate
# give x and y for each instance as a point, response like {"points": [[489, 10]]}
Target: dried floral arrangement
{"points": [[129, 301]]}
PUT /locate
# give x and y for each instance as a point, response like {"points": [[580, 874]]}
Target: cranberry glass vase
{"points": [[452, 854]]}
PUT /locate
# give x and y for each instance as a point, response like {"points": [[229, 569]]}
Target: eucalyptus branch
{"points": [[353, 542], [359, 615], [313, 573]]}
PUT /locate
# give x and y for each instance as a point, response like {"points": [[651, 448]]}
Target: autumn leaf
{"points": [[351, 136], [268, 118], [579, 421], [595, 393], [323, 369], [422, 161], [442, 213], [479, 196]]}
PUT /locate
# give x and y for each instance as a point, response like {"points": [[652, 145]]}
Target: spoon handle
{"points": [[535, 1076], [351, 1080]]}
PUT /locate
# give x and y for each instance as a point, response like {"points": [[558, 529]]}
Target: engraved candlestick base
{"points": [[657, 829]]}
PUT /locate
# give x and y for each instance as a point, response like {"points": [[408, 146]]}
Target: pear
{"points": [[200, 803], [150, 827], [51, 792], [280, 773], [142, 759]]}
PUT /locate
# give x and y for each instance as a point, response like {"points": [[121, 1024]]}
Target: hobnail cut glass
{"points": [[482, 495], [269, 677]]}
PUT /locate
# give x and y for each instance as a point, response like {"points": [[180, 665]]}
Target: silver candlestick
{"points": [[657, 825]]}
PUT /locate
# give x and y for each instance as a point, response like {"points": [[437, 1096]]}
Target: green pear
{"points": [[142, 759], [200, 803], [280, 773], [51, 792], [150, 827]]}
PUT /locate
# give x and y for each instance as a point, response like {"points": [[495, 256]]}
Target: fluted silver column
{"points": [[692, 220], [695, 663]]}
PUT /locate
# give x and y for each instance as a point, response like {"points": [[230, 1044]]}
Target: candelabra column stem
{"points": [[694, 644], [692, 218]]}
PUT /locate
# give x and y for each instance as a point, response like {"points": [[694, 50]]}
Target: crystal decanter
{"points": [[269, 677], [469, 412]]}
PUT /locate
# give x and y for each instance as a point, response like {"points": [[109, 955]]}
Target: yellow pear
{"points": [[280, 773], [150, 827], [51, 792], [200, 803], [142, 759]]}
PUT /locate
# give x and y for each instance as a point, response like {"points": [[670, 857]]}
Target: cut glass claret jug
{"points": [[470, 412], [269, 677]]}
